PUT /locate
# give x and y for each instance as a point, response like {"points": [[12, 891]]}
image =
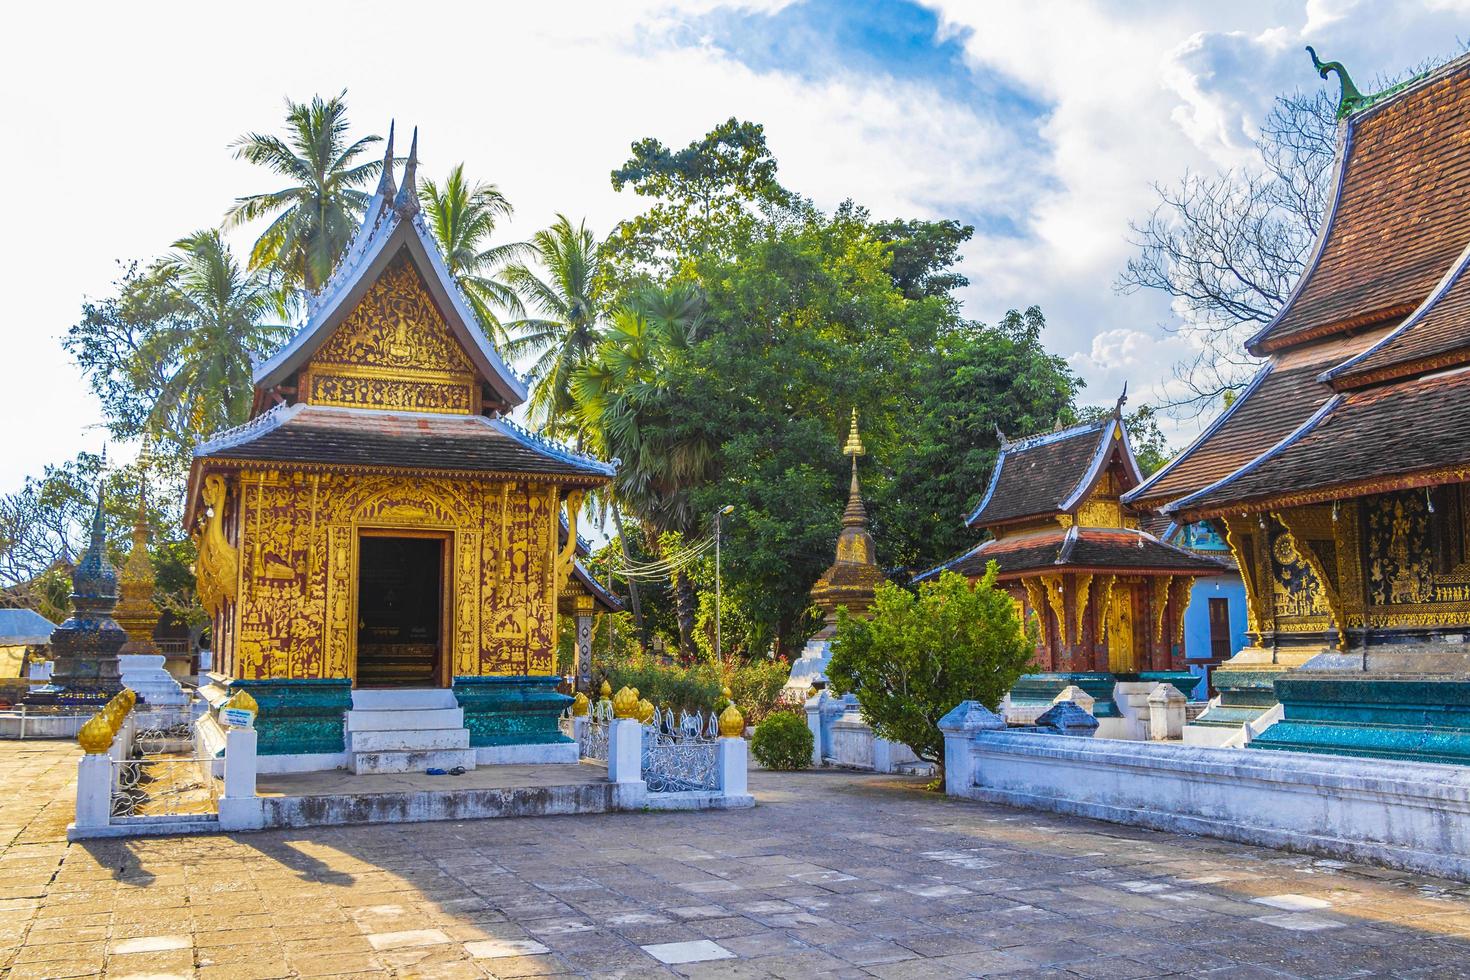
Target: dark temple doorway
{"points": [[400, 611]]}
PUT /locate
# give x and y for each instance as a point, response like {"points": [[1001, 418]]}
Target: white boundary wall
{"points": [[1407, 815]]}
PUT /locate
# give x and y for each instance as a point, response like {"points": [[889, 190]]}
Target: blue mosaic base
{"points": [[1419, 720], [520, 710], [1245, 695], [299, 716]]}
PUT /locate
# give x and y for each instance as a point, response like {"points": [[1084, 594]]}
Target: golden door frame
{"points": [[444, 658]]}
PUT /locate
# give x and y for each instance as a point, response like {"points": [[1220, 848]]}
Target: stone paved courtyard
{"points": [[832, 874]]}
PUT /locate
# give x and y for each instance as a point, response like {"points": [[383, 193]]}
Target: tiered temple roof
{"points": [[1052, 507], [1367, 382]]}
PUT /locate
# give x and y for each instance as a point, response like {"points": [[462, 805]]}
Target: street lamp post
{"points": [[719, 653]]}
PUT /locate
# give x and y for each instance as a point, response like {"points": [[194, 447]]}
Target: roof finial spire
{"points": [[1001, 436], [386, 189], [855, 515], [1350, 97], [854, 447], [1122, 400], [407, 201]]}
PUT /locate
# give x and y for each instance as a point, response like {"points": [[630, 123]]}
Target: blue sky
{"points": [[1042, 122]]}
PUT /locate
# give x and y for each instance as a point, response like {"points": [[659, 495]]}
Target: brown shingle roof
{"points": [[1380, 434], [1035, 475], [1400, 217], [408, 440], [1079, 549], [1435, 337], [1277, 401]]}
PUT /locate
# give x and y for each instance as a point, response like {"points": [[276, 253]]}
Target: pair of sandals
{"points": [[456, 771]]}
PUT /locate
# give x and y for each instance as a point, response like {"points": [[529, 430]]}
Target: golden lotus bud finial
{"points": [[732, 722], [725, 693], [854, 445], [811, 692], [625, 703], [580, 705], [243, 701], [96, 735], [606, 690], [645, 710]]}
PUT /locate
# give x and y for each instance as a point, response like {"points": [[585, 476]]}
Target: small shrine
{"points": [[380, 547], [84, 648], [849, 582], [1338, 475], [1109, 598]]}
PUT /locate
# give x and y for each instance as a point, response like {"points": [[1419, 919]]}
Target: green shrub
{"points": [[917, 656], [681, 688], [782, 741], [756, 687]]}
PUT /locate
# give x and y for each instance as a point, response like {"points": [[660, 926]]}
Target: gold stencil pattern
{"points": [[393, 351], [296, 608]]}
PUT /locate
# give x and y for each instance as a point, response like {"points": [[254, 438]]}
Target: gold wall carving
{"points": [[1159, 600], [393, 351], [1056, 598], [1036, 598], [1180, 587], [1101, 605], [1404, 587], [296, 614], [1242, 541], [1310, 528], [218, 562], [1079, 601]]}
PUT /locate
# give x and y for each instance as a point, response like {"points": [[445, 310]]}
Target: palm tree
{"points": [[462, 217], [316, 215], [562, 337], [623, 399], [213, 328]]}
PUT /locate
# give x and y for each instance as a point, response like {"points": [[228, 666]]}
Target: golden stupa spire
{"points": [[855, 514], [136, 612]]}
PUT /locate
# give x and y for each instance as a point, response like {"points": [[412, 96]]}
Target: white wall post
{"points": [[625, 751], [960, 727], [579, 730], [240, 763], [1165, 713], [239, 807], [731, 760], [94, 791]]}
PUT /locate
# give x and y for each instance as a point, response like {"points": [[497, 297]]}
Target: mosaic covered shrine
{"points": [[379, 522], [1339, 474], [1108, 596], [850, 582], [85, 646]]}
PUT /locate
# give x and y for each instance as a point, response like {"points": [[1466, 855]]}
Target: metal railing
{"points": [[170, 785], [679, 752], [593, 741]]}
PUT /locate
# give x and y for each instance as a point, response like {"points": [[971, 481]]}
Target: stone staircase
{"points": [[407, 730]]}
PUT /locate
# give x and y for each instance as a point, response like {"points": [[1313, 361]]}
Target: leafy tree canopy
{"points": [[917, 656]]}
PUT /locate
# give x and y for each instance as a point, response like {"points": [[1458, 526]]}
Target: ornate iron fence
{"points": [[594, 732], [679, 753], [161, 775]]}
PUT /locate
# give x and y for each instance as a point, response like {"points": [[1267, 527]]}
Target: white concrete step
{"points": [[407, 719], [403, 698], [370, 762], [409, 741]]}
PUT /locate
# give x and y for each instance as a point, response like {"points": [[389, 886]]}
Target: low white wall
{"points": [[1406, 815], [856, 747]]}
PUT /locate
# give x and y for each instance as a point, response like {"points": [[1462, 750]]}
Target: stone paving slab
{"points": [[833, 874]]}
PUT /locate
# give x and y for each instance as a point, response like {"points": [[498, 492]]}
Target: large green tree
{"points": [[463, 217], [313, 217], [170, 354]]}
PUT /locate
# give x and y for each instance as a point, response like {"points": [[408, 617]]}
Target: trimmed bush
{"points": [[782, 741]]}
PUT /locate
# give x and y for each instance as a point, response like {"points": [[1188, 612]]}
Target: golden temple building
{"points": [[1339, 474], [380, 524]]}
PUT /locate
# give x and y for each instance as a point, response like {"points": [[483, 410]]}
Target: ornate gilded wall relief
{"points": [[393, 351], [1417, 575], [297, 606], [1298, 602]]}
